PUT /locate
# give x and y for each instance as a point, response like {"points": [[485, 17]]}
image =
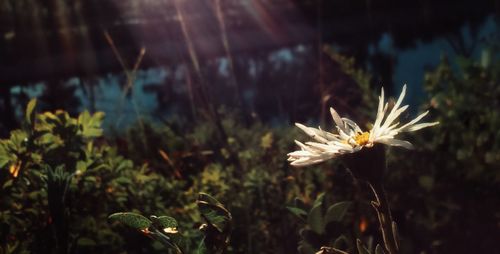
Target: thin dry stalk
{"points": [[131, 75], [227, 49]]}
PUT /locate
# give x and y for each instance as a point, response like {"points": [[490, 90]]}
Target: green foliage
{"points": [[324, 224], [465, 102], [454, 172], [216, 230], [60, 179], [133, 220], [249, 173]]}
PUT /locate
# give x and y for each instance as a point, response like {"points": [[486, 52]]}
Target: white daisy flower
{"points": [[349, 137]]}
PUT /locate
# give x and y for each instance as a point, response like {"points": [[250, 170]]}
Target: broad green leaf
{"points": [[90, 125], [166, 224], [315, 219], [132, 220], [337, 211]]}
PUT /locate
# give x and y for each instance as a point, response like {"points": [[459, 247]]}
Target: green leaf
{"points": [[297, 211], [306, 248], [208, 199], [30, 115], [315, 219], [4, 159], [340, 240], [361, 247], [166, 224], [319, 199], [202, 248], [132, 220], [7, 184], [337, 211], [90, 125], [84, 241], [214, 212], [300, 204], [266, 141], [81, 166]]}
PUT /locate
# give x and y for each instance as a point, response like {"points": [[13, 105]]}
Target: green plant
{"points": [[324, 224], [216, 229], [54, 170]]}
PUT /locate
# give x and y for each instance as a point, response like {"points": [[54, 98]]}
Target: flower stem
{"points": [[381, 206]]}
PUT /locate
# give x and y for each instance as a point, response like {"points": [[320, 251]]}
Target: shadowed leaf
{"points": [[361, 247], [379, 249], [214, 213], [315, 219], [297, 212], [337, 211]]}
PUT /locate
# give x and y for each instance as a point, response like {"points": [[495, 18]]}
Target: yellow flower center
{"points": [[362, 138]]}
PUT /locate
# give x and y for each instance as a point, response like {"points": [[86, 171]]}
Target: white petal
{"points": [[380, 110], [337, 119], [395, 111], [304, 147], [412, 122], [401, 96], [352, 124], [312, 132], [393, 115], [329, 136], [419, 126], [395, 142], [322, 147], [300, 153]]}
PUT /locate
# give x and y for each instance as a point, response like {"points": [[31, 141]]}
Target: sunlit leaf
{"points": [[166, 224], [30, 114], [132, 220]]}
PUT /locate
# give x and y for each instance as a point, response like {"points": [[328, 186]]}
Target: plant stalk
{"points": [[381, 206]]}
